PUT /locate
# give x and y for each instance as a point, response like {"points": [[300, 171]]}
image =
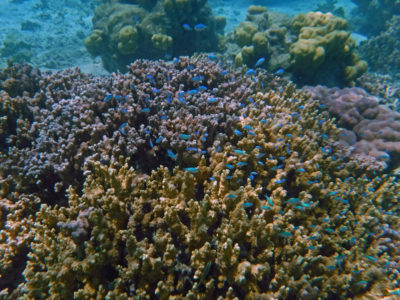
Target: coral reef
{"points": [[18, 79], [385, 87], [130, 30], [382, 52], [312, 48], [370, 16], [200, 182], [371, 130], [262, 35]]}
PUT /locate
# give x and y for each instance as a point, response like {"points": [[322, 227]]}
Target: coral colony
{"points": [[203, 177], [190, 180]]}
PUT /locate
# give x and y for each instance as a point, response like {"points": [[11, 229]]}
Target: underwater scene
{"points": [[200, 149]]}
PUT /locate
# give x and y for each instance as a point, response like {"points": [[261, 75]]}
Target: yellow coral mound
{"points": [[324, 39]]}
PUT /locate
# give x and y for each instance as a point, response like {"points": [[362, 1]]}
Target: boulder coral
{"points": [[371, 131], [123, 32], [205, 183], [324, 43], [311, 48]]}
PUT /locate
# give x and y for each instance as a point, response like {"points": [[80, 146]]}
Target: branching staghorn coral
{"points": [[270, 211]]}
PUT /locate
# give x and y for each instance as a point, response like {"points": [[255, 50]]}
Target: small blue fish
{"points": [[260, 155], [145, 110], [250, 72], [292, 200], [241, 164], [371, 258], [277, 167], [247, 204], [212, 100], [197, 78], [184, 136], [187, 27], [237, 151], [108, 97], [252, 133], [301, 170], [212, 178], [200, 27], [192, 170], [192, 149], [237, 132], [329, 230], [260, 163], [332, 193], [193, 92], [202, 88], [163, 117], [260, 62], [212, 57], [269, 200], [279, 72], [395, 292], [181, 100], [229, 166], [151, 143], [285, 234], [231, 196], [280, 181], [172, 154], [266, 207], [159, 139], [247, 127]]}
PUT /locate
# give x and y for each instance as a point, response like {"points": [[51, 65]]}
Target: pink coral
{"points": [[370, 129]]}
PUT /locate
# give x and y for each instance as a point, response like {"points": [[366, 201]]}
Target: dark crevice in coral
{"points": [[14, 274], [199, 192]]}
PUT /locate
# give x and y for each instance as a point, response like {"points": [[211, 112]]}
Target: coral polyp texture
{"points": [[370, 131], [313, 48], [123, 32], [200, 182]]}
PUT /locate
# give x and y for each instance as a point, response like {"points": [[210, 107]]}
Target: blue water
{"points": [[50, 34]]}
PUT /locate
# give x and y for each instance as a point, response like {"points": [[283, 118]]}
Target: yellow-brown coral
{"points": [[269, 214], [324, 39]]}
